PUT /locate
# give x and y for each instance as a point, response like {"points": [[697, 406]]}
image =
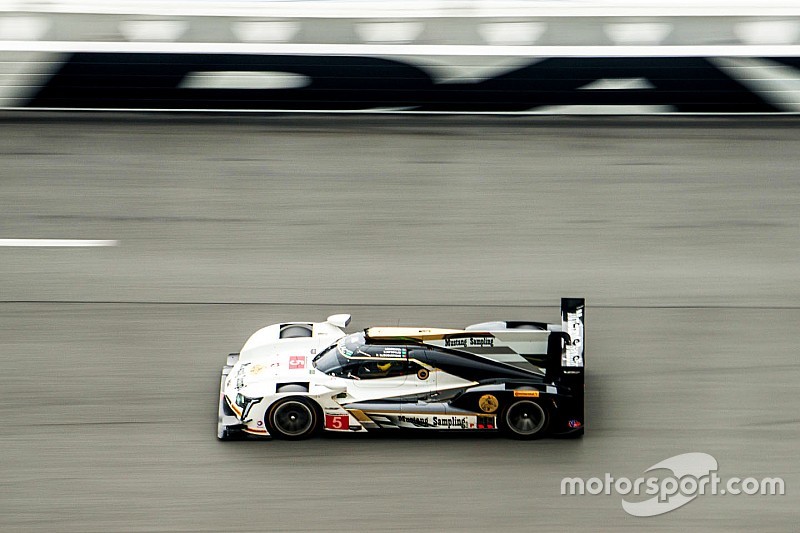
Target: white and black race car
{"points": [[293, 379]]}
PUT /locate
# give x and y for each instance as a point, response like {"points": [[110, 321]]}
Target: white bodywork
{"points": [[267, 363]]}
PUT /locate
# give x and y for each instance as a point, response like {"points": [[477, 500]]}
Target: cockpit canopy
{"points": [[352, 357]]}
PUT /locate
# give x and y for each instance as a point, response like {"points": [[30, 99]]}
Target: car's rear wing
{"points": [[572, 324], [572, 360]]}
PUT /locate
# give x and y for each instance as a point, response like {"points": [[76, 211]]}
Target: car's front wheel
{"points": [[292, 418], [525, 419]]}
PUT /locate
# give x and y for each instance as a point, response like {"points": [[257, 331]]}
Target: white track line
{"points": [[56, 243]]}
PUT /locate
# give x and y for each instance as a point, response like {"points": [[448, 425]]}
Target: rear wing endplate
{"points": [[572, 323], [573, 354]]}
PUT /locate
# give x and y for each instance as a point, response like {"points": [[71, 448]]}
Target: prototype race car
{"points": [[293, 379]]}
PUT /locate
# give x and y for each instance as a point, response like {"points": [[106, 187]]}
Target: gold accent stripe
{"points": [[359, 415], [413, 333]]}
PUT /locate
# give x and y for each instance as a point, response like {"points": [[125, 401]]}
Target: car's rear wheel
{"points": [[525, 419], [293, 419]]}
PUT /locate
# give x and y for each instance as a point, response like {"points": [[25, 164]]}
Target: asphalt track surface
{"points": [[682, 234]]}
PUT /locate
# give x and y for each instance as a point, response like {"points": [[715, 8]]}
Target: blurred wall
{"points": [[428, 56]]}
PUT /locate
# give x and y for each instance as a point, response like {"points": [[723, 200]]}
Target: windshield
{"points": [[336, 357]]}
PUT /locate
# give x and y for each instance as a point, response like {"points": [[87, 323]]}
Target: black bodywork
{"points": [[550, 381], [562, 395]]}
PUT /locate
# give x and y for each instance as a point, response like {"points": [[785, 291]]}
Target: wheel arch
{"points": [[317, 416]]}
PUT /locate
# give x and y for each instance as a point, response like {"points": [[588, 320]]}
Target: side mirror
{"points": [[340, 321]]}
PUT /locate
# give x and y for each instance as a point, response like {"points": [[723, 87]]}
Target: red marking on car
{"points": [[480, 426], [297, 362], [337, 422]]}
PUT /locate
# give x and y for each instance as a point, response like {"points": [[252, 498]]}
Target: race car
{"points": [[293, 380]]}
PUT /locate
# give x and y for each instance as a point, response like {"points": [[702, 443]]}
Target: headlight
{"points": [[246, 403], [241, 400]]}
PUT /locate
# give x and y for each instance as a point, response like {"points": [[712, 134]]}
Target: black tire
{"points": [[525, 419], [293, 418]]}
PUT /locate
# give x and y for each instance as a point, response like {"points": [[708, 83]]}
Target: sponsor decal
{"points": [[257, 369], [423, 373], [488, 403], [390, 351], [573, 353], [471, 342], [240, 376], [481, 341], [526, 393], [574, 423], [337, 422], [297, 362], [455, 343], [436, 421]]}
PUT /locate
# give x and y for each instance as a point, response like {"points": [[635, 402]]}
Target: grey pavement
{"points": [[682, 234]]}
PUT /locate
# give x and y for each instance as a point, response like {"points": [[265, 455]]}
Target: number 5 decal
{"points": [[337, 422]]}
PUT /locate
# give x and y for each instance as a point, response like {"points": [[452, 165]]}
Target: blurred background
{"points": [[176, 175]]}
